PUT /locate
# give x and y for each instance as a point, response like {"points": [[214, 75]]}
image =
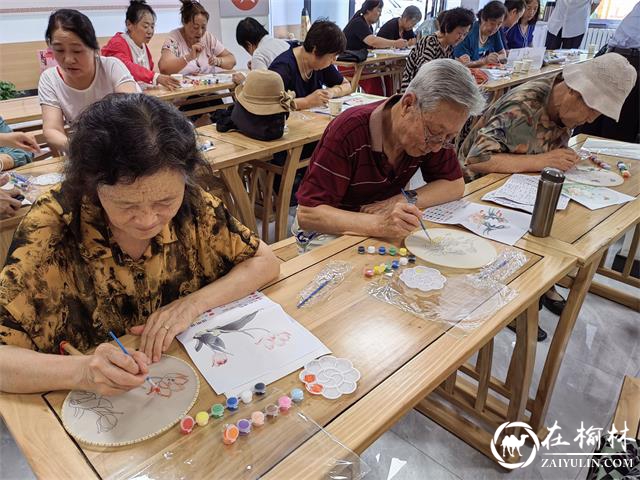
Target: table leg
{"points": [[523, 360], [286, 187], [233, 182], [559, 342], [357, 73]]}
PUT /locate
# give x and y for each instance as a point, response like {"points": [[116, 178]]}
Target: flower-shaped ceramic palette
{"points": [[330, 377], [47, 179], [423, 278]]}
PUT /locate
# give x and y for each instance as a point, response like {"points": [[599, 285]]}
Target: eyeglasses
{"points": [[430, 139]]}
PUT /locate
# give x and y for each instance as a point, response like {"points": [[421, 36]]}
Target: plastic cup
{"points": [[335, 107], [526, 65], [591, 49], [517, 66]]}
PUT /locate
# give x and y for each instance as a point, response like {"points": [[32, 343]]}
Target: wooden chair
{"points": [[262, 194]]}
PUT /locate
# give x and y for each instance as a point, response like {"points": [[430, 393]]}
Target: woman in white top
{"points": [[191, 49], [131, 46], [81, 78], [263, 48]]}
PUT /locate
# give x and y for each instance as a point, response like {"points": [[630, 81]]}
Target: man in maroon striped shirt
{"points": [[368, 153]]}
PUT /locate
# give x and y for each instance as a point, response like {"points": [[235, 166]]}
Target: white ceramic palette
{"points": [[330, 377]]}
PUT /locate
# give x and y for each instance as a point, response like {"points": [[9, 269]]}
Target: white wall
{"points": [[29, 27], [335, 10]]}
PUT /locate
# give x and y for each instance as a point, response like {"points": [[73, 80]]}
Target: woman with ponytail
{"points": [[131, 46]]}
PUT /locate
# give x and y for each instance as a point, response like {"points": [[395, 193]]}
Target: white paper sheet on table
{"points": [[594, 197], [349, 101], [499, 224], [392, 51], [496, 73], [613, 148], [536, 55], [248, 341], [519, 191]]}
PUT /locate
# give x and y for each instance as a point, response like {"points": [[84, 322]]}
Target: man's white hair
{"points": [[446, 80]]}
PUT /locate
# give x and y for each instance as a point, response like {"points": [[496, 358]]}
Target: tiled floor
{"points": [[605, 346]]}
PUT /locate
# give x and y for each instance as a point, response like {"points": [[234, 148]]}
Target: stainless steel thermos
{"points": [[547, 196]]}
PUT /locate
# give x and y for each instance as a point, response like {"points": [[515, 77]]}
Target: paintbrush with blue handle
{"points": [[406, 196], [126, 352]]}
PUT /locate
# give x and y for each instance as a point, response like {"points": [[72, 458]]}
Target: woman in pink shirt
{"points": [[191, 49]]}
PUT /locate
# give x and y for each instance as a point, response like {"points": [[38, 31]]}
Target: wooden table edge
{"points": [[341, 427]]}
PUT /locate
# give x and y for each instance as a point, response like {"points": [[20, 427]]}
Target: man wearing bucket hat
{"points": [[262, 105], [529, 127]]}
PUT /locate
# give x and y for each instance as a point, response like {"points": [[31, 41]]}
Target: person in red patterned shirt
{"points": [[369, 153]]}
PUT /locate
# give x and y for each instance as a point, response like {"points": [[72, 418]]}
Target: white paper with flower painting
{"points": [[248, 341]]}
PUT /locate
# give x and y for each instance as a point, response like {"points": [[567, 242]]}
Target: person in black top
{"points": [[359, 33], [359, 30], [402, 27], [308, 68]]}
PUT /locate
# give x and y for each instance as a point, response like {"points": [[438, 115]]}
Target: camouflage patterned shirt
{"points": [[517, 123], [57, 285]]}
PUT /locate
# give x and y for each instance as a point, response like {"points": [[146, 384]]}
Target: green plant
{"points": [[7, 90]]}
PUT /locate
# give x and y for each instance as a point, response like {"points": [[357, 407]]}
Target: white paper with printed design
{"points": [[248, 341]]}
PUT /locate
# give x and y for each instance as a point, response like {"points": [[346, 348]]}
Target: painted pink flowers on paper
{"points": [[213, 338], [492, 219], [272, 340]]}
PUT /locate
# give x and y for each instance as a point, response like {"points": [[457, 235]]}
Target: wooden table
{"points": [[402, 358], [584, 235], [27, 109], [234, 149], [380, 65], [498, 87]]}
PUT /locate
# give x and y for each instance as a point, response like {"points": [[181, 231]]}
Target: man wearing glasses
{"points": [[369, 153]]}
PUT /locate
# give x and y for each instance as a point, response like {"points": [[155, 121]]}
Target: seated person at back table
{"points": [[131, 47], [528, 128], [308, 68], [263, 48], [191, 49], [128, 242], [483, 45], [402, 27], [81, 77], [368, 153], [520, 35], [515, 9]]}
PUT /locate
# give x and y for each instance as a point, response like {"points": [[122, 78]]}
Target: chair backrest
{"points": [[21, 61]]}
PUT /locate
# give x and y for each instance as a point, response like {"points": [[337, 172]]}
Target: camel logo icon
{"points": [[511, 444]]}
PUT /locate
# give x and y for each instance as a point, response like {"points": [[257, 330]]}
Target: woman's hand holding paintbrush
{"points": [[110, 370]]}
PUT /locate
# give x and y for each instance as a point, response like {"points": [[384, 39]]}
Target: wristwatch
{"points": [[412, 196]]}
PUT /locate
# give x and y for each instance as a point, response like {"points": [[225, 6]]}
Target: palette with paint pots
{"points": [[330, 377]]}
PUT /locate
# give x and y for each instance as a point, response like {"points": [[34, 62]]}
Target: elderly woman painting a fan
{"points": [[127, 242]]}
